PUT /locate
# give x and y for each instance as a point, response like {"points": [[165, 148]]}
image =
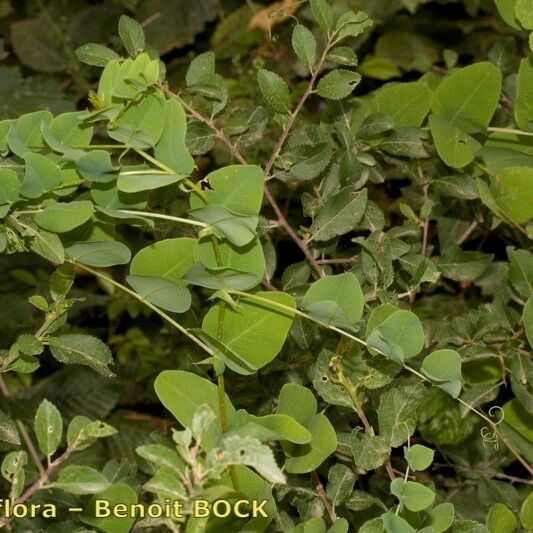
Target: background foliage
{"points": [[347, 183]]}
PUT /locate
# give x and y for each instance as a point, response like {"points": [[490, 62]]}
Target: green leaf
{"points": [[396, 524], [507, 12], [25, 134], [315, 525], [63, 217], [369, 451], [527, 320], [399, 337], [247, 259], [182, 393], [304, 45], [468, 97], [526, 512], [523, 12], [352, 24], [162, 456], [441, 517], [9, 186], [239, 188], [70, 130], [338, 84], [275, 91], [323, 14], [162, 292], [116, 494], [415, 496], [132, 34], [341, 481], [239, 229], [342, 55], [513, 192], [41, 176], [95, 54], [82, 432], [523, 108], [299, 402], [141, 125], [444, 367], [458, 265], [454, 146], [38, 45], [77, 479], [146, 182], [74, 348], [47, 245], [418, 457], [501, 518], [336, 300], [397, 411], [340, 214], [167, 258], [256, 331], [99, 253], [96, 166], [48, 428], [271, 427], [405, 142], [171, 149], [519, 418], [407, 104], [201, 71], [8, 430], [248, 451], [521, 271]]}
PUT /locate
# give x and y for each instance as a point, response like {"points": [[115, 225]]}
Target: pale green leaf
{"points": [[48, 427]]}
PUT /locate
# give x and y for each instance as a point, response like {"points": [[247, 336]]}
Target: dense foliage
{"points": [[267, 252]]}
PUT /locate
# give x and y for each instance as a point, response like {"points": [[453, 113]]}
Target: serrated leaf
{"points": [[74, 348], [95, 54], [77, 479], [8, 430], [323, 14], [304, 44], [132, 34], [397, 411], [48, 427], [338, 84], [275, 91]]}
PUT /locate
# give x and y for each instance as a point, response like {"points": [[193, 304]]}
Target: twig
{"points": [[39, 483], [323, 496], [510, 131], [339, 261], [290, 123], [467, 233], [233, 148], [23, 432]]}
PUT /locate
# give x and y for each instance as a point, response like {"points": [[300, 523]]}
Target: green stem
{"points": [[164, 217], [167, 169], [364, 343], [146, 172], [510, 131], [162, 314]]}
